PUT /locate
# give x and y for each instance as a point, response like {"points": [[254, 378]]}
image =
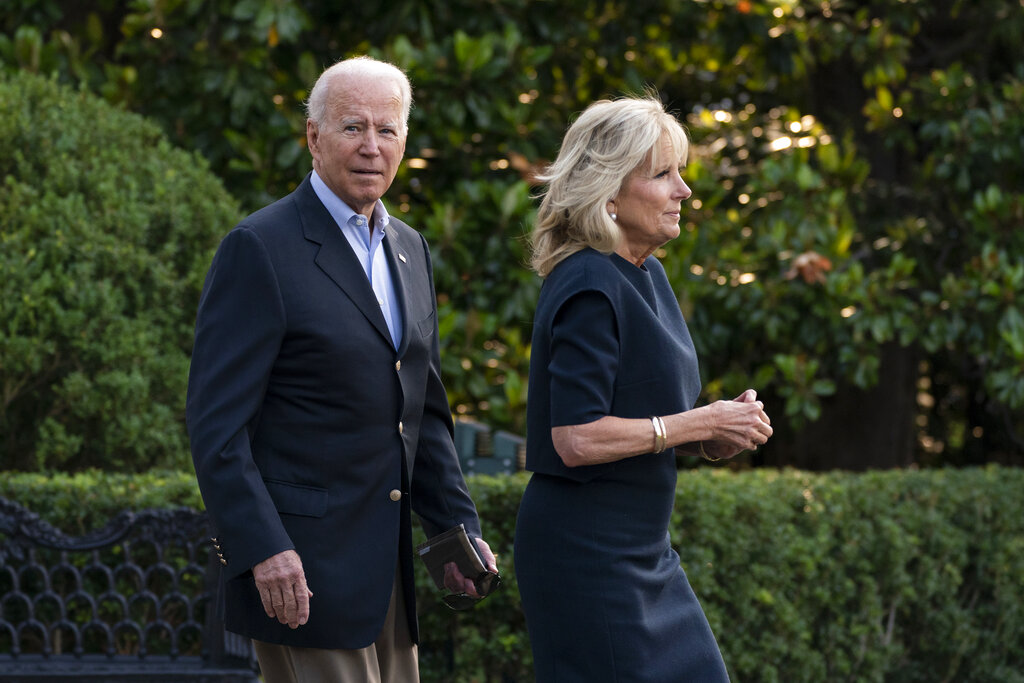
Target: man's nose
{"points": [[369, 145]]}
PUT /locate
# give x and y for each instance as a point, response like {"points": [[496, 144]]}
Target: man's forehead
{"points": [[365, 89], [349, 106], [350, 117]]}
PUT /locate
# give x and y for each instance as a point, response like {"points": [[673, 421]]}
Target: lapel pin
{"points": [[401, 257]]}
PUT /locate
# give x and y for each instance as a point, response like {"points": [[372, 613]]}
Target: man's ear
{"points": [[312, 137]]}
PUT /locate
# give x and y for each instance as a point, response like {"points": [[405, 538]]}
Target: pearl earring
{"points": [[614, 216]]}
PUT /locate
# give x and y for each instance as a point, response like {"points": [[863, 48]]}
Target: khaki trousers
{"points": [[392, 658]]}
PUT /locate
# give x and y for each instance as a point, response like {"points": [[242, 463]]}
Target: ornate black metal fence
{"points": [[133, 601]]}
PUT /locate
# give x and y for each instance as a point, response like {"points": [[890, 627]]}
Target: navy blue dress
{"points": [[603, 592]]}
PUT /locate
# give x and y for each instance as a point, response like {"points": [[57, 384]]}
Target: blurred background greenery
{"points": [[853, 248]]}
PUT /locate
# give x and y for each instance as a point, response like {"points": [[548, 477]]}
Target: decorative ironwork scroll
{"points": [[142, 589]]}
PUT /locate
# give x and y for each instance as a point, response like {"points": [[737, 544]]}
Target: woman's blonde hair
{"points": [[609, 140]]}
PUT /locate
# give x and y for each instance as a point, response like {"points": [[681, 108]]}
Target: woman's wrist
{"points": [[685, 430], [704, 453], [660, 434]]}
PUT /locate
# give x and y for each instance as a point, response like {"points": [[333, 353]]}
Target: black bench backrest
{"points": [[136, 598]]}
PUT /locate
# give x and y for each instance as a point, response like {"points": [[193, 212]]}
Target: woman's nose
{"points": [[682, 189]]}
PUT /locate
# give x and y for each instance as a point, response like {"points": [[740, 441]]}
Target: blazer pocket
{"points": [[297, 499], [427, 325]]}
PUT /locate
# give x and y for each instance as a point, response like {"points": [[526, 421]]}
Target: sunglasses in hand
{"points": [[485, 584]]}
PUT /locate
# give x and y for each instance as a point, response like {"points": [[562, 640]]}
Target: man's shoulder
{"points": [[405, 235], [279, 223], [404, 230], [275, 216]]}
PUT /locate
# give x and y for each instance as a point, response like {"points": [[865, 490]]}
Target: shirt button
{"points": [[400, 427], [398, 365], [395, 495]]}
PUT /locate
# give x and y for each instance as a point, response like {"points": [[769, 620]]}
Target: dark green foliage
{"points": [[902, 577], [107, 232], [879, 250]]}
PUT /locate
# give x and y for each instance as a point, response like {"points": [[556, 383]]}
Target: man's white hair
{"points": [[316, 105]]}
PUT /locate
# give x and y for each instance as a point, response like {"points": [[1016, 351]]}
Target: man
{"points": [[315, 406]]}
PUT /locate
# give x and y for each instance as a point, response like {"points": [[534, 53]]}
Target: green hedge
{"points": [[886, 576], [107, 231]]}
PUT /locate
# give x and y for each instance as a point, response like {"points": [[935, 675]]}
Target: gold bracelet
{"points": [[664, 434], [659, 434], [704, 453]]}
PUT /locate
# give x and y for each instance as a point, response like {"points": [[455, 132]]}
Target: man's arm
{"points": [[439, 492], [239, 328]]}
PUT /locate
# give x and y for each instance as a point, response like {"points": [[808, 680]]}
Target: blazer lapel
{"points": [[398, 263], [336, 257]]}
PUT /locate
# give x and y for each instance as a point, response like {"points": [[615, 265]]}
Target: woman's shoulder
{"points": [[583, 272], [586, 269]]}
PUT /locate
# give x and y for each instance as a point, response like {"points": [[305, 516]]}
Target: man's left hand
{"points": [[457, 583]]}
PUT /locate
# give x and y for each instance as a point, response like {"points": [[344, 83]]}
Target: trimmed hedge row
{"points": [[885, 576]]}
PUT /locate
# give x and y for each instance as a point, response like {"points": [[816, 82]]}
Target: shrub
{"points": [[85, 501], [107, 232], [908, 576]]}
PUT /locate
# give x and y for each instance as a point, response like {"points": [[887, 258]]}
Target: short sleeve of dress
{"points": [[584, 359]]}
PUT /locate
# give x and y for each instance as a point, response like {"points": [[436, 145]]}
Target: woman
{"points": [[613, 380]]}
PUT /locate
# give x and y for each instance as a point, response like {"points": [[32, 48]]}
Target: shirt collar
{"points": [[342, 212]]}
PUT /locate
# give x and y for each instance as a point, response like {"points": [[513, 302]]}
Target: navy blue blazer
{"points": [[306, 424]]}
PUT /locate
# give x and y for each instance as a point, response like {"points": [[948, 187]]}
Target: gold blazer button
{"points": [[395, 495]]}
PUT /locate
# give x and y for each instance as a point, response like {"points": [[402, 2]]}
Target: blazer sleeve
{"points": [[439, 493], [239, 328]]}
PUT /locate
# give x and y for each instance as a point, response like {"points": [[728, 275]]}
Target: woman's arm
{"points": [[728, 427]]}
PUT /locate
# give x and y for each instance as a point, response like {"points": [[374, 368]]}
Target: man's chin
{"points": [[370, 186]]}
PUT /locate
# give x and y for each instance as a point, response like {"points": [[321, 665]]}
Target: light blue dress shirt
{"points": [[367, 246]]}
